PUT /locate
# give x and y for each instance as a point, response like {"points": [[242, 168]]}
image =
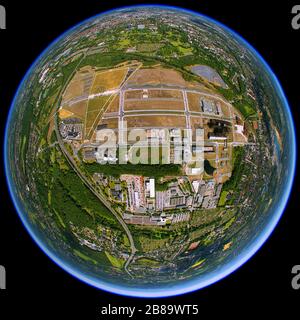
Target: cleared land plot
{"points": [[174, 94], [79, 86], [154, 105], [96, 104], [158, 76], [111, 123], [210, 155], [108, 80], [172, 121], [96, 108], [114, 105], [133, 94], [78, 109], [64, 114], [226, 110], [224, 171], [153, 94], [194, 102], [239, 137], [75, 89], [196, 123], [224, 152]]}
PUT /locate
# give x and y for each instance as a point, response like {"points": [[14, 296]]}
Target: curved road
{"points": [[100, 196], [86, 181]]}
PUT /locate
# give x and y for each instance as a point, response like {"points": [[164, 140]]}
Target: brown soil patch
{"points": [[156, 121], [154, 105]]}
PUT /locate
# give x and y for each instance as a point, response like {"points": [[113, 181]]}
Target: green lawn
{"points": [[84, 257], [116, 170], [116, 262], [223, 198]]}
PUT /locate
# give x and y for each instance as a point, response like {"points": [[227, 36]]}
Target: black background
{"points": [[36, 287]]}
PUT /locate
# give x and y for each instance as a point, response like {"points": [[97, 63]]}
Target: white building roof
{"points": [[152, 188]]}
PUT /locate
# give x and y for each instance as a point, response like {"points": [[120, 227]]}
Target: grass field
{"points": [[108, 80], [95, 110], [198, 263], [84, 257], [116, 262], [148, 47], [223, 198], [63, 114], [149, 244], [104, 81], [77, 109], [114, 105], [111, 123], [147, 262], [246, 109]]}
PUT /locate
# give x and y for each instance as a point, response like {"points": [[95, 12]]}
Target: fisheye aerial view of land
{"points": [[197, 186]]}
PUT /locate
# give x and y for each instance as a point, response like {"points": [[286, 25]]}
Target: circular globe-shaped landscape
{"points": [[150, 151]]}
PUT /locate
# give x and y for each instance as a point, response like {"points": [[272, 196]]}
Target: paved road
{"points": [[188, 113], [215, 96], [186, 110], [86, 181], [100, 196]]}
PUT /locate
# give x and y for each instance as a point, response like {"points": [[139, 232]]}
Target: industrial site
{"points": [[155, 115]]}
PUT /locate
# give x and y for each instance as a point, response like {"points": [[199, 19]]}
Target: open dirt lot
{"points": [[114, 105], [111, 123], [80, 85], [158, 76], [154, 105], [64, 114], [156, 121], [153, 94], [225, 110], [133, 94], [174, 94], [194, 101], [196, 122]]}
